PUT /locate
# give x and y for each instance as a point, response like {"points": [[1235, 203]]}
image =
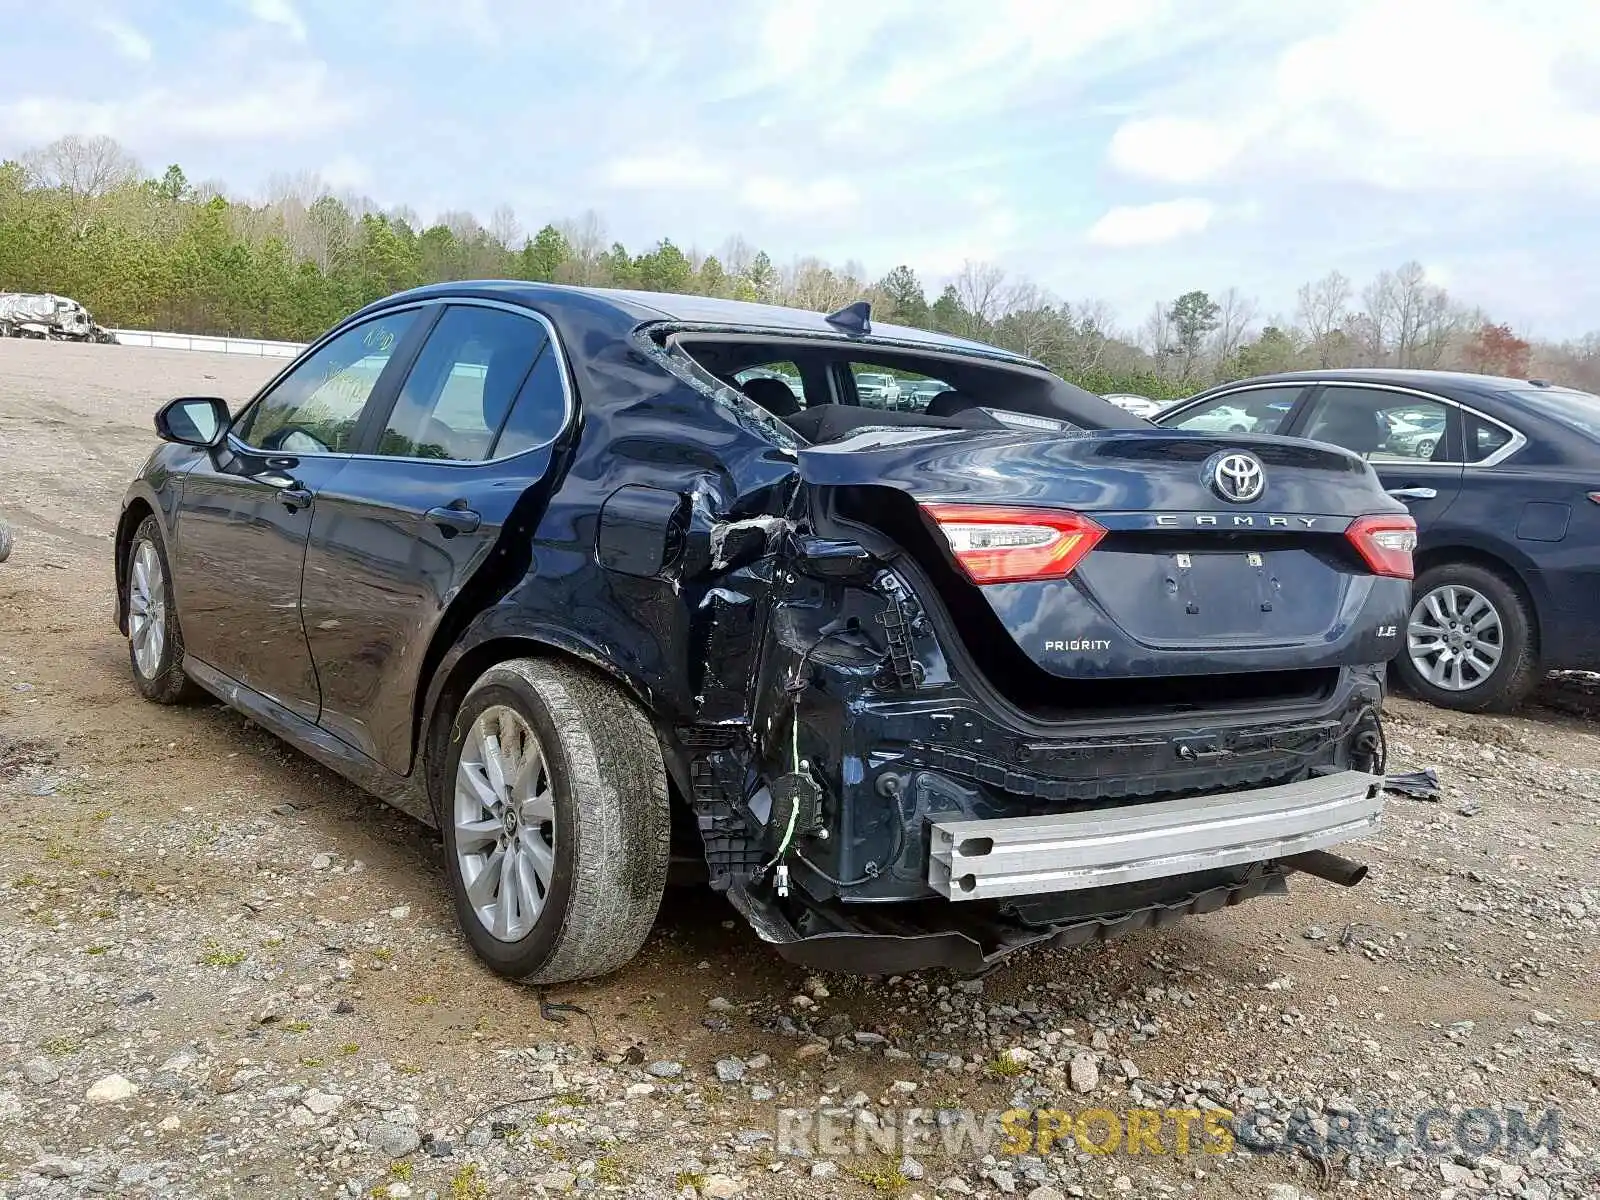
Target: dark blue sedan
{"points": [[580, 576], [1503, 478]]}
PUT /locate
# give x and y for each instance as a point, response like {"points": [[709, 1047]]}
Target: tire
{"points": [[155, 652], [594, 818], [1479, 599], [1425, 448]]}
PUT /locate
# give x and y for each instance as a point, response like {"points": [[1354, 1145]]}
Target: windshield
{"points": [[1577, 410]]}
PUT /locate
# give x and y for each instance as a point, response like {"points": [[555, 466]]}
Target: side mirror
{"points": [[194, 421]]}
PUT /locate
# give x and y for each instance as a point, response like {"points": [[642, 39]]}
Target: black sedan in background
{"points": [[1503, 478]]}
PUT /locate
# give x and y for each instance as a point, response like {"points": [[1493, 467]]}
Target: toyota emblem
{"points": [[1239, 477]]}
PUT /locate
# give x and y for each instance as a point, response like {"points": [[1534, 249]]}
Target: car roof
{"points": [[646, 307], [1394, 376]]}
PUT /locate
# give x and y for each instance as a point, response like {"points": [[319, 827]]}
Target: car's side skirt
{"points": [[397, 790]]}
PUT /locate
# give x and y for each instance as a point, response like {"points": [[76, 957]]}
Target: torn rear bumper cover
{"points": [[964, 951], [1020, 856]]}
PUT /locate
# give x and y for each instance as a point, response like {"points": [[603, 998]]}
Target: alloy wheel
{"points": [[147, 609], [505, 823], [1455, 637]]}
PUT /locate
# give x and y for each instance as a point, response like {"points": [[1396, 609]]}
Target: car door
{"points": [[1411, 438], [412, 519], [246, 509]]}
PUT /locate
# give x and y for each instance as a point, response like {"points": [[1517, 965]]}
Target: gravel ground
{"points": [[225, 972]]}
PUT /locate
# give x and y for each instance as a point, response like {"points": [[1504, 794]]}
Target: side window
{"points": [[314, 409], [460, 390], [1380, 425], [1484, 437], [540, 408], [898, 391], [1253, 410]]}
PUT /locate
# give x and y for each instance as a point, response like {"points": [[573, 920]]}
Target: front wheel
{"points": [[1469, 640], [555, 822], [155, 641]]}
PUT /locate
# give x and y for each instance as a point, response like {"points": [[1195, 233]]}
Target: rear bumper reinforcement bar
{"points": [[1020, 856]]}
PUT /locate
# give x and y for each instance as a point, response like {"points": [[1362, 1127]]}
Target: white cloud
{"points": [[1426, 95], [129, 42], [815, 198], [289, 102], [1148, 224], [1174, 149], [347, 173], [683, 170], [281, 13]]}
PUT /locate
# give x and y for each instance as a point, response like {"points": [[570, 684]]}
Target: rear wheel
{"points": [[155, 641], [556, 822], [1469, 640], [1425, 448]]}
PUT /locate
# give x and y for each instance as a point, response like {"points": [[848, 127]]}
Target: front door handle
{"points": [[454, 520], [1414, 493], [294, 494]]}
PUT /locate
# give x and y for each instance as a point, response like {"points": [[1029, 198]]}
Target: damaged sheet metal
{"points": [[1417, 785]]}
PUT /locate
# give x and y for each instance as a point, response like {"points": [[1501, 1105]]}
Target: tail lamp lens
{"points": [[1385, 543], [996, 544]]}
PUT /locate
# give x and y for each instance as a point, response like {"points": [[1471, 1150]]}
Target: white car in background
{"points": [[1224, 418], [1139, 406], [878, 389]]}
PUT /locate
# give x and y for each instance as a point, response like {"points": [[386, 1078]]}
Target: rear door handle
{"points": [[1414, 493], [454, 520]]}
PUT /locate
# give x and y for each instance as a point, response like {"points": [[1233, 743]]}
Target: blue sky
{"points": [[1120, 150]]}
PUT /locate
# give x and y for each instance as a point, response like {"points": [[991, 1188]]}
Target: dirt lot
{"points": [[225, 972]]}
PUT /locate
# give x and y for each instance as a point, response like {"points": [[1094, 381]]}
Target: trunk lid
{"points": [[1185, 578]]}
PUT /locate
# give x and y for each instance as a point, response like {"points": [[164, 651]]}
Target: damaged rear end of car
{"points": [[1012, 687]]}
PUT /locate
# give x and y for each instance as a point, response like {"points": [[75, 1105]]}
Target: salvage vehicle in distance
{"points": [[48, 317], [911, 689]]}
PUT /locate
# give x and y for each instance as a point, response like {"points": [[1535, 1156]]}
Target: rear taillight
{"points": [[995, 544], [1385, 543], [1595, 496]]}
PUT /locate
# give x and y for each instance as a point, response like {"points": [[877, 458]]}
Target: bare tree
{"points": [[504, 227], [1323, 309], [208, 190], [1377, 326], [1236, 313], [736, 255], [1155, 335], [586, 237], [979, 287], [86, 168], [1092, 331], [1032, 324], [303, 186], [463, 226], [1434, 320], [811, 283]]}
